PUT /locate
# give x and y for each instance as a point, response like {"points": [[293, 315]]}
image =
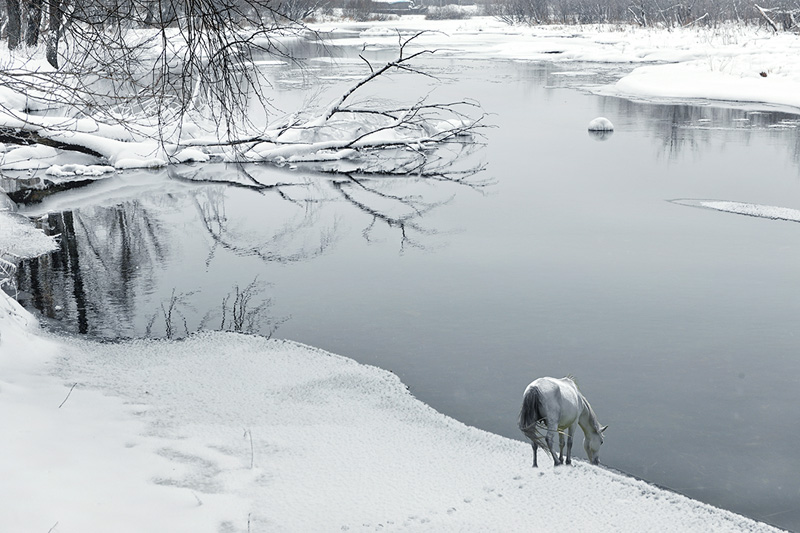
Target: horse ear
{"points": [[602, 429]]}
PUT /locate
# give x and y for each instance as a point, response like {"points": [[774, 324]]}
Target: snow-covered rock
{"points": [[601, 124]]}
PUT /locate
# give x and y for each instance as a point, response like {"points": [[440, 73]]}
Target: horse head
{"points": [[591, 444]]}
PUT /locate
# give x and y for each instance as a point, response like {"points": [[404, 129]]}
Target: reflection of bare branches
{"points": [[8, 270], [366, 202], [308, 192], [274, 247], [237, 170], [692, 128]]}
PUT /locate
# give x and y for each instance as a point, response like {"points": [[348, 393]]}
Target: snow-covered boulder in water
{"points": [[601, 124]]}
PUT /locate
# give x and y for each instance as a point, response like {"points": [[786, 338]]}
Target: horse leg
{"points": [[570, 433], [534, 454], [561, 448], [551, 437]]}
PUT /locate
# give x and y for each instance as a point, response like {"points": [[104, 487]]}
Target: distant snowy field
{"points": [[723, 64], [225, 432]]}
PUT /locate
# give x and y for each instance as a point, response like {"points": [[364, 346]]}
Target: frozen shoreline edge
{"points": [[419, 463]]}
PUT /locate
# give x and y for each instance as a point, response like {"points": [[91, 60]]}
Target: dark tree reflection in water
{"points": [[105, 279]]}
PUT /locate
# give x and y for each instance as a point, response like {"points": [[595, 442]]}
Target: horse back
{"points": [[569, 402], [558, 401]]}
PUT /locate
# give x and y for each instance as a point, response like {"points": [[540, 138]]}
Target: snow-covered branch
{"points": [[132, 123]]}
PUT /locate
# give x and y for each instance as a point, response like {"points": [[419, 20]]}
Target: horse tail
{"points": [[529, 416]]}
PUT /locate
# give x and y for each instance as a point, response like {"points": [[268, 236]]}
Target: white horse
{"points": [[560, 406]]}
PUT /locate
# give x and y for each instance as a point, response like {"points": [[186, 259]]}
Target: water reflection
{"points": [[106, 257], [601, 135], [107, 277], [690, 129]]}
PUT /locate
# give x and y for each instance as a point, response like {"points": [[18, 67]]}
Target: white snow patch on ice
{"points": [[743, 208], [19, 237]]}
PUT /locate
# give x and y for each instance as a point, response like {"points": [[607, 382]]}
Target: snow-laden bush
{"points": [[448, 12]]}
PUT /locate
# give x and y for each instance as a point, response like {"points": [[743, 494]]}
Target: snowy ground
{"points": [[222, 432]]}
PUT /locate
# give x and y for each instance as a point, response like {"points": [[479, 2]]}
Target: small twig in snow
{"points": [[248, 433], [65, 401]]}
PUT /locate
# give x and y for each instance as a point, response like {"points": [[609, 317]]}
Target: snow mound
{"points": [[601, 124], [27, 157], [64, 171]]}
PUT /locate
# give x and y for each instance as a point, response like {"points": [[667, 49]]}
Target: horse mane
{"points": [[592, 416]]}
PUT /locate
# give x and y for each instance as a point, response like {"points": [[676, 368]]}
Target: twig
{"points": [[65, 401], [248, 433]]}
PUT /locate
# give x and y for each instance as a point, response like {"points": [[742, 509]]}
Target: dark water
{"points": [[679, 323]]}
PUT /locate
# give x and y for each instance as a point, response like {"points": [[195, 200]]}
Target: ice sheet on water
{"points": [[743, 208]]}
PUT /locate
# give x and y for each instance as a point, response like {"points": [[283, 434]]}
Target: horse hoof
{"points": [[569, 461]]}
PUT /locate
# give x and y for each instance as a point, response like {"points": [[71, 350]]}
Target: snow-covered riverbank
{"points": [[225, 432], [725, 64]]}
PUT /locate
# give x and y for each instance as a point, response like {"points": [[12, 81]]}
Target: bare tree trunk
{"points": [[760, 9], [34, 22], [54, 31], [14, 10]]}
